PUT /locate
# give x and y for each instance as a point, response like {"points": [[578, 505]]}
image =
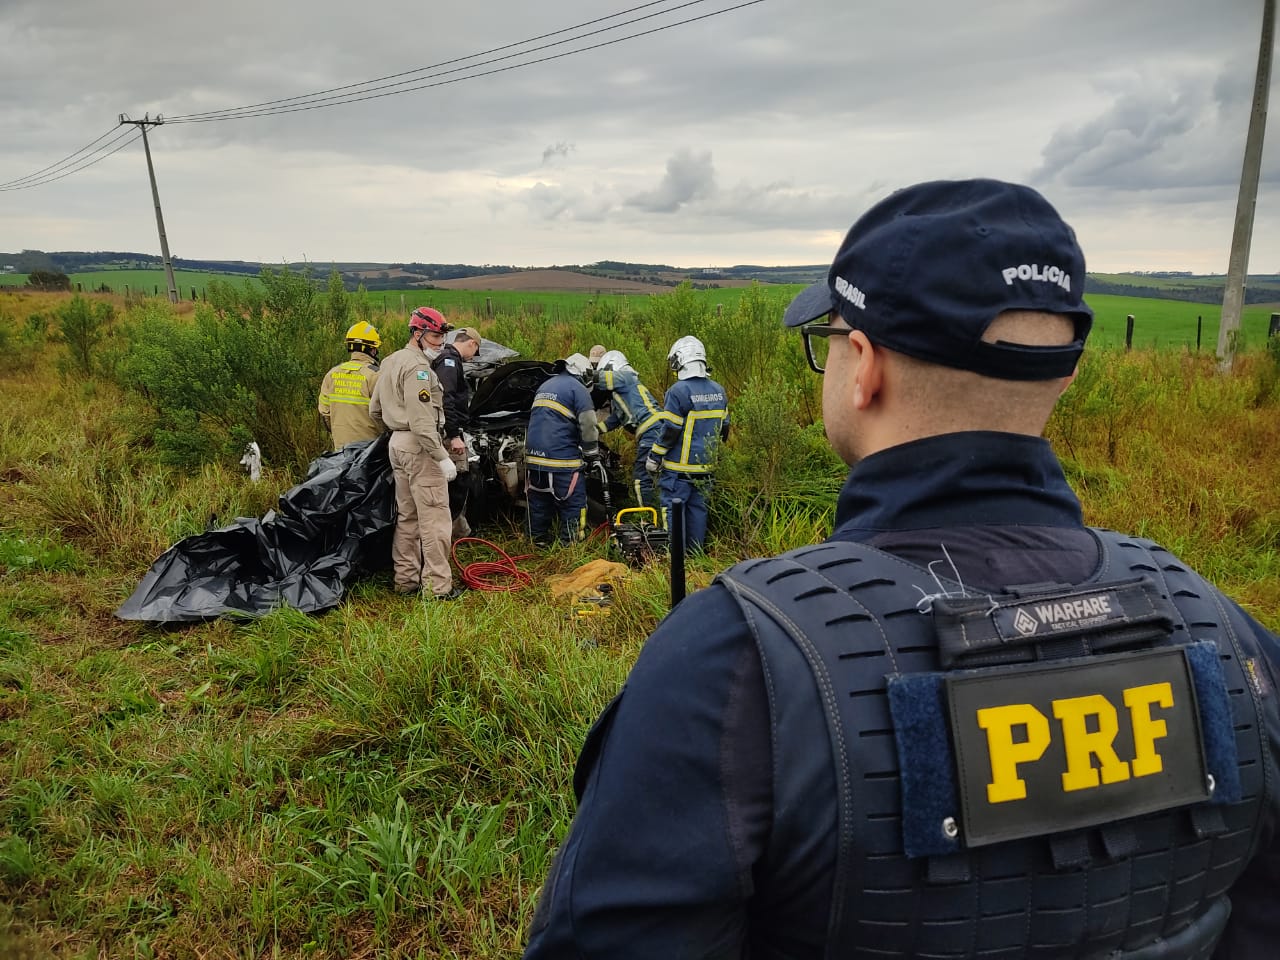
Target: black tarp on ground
{"points": [[332, 527]]}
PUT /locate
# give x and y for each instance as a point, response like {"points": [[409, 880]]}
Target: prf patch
{"points": [[424, 396], [1044, 749]]}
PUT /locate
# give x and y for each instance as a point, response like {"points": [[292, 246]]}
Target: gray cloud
{"points": [[690, 176], [560, 149], [811, 110]]}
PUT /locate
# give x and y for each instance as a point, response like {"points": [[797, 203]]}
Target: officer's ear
{"points": [[867, 362]]}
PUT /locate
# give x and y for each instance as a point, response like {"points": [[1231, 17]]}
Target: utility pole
{"points": [[142, 125], [1238, 265]]}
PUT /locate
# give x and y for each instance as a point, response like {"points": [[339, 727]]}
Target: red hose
{"points": [[492, 575]]}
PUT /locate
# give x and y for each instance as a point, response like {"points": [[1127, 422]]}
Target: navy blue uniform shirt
{"points": [[664, 858]]}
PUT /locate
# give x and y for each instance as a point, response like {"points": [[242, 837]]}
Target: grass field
{"points": [[1157, 323], [391, 779], [146, 282]]}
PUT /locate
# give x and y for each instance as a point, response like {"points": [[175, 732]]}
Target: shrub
{"points": [[82, 326], [48, 280], [248, 366]]}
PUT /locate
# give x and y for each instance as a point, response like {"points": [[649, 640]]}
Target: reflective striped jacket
{"points": [[631, 405], [697, 414], [558, 430], [344, 400]]}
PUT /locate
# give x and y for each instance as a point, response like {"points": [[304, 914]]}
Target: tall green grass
{"points": [[392, 778]]}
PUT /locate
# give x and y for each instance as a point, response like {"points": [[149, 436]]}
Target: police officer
{"points": [[563, 437], [631, 406], [449, 367], [966, 725], [408, 399], [346, 388], [697, 422]]}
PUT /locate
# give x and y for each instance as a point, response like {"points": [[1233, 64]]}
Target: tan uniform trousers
{"points": [[420, 547]]}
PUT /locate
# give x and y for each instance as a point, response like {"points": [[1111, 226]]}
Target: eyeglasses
{"points": [[817, 346]]}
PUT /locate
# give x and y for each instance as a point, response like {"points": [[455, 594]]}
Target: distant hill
{"points": [[550, 281], [605, 276], [1195, 288]]}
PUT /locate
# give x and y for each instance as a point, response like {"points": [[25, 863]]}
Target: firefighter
{"points": [[563, 439], [346, 389], [409, 400], [633, 407], [697, 422]]}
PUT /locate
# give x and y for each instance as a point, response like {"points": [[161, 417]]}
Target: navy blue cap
{"points": [[926, 270]]}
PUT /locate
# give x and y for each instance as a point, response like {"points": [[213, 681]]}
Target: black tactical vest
{"points": [[857, 654]]}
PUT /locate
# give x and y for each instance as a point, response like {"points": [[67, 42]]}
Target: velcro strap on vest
{"points": [[1112, 616]]}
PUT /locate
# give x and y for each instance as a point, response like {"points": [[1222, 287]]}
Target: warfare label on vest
{"points": [[1044, 749]]}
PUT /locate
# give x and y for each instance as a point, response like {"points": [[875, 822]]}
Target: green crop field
{"points": [[1157, 322], [1169, 323], [144, 281]]}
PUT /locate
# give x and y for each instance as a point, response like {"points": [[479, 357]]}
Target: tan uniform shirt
{"points": [[344, 400], [409, 397]]}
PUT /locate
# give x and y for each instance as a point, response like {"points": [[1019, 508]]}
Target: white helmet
{"points": [[613, 360], [686, 350], [578, 365]]}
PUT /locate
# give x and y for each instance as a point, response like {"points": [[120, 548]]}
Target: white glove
{"points": [[652, 465], [448, 468]]}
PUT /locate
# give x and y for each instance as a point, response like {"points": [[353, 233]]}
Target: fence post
{"points": [[719, 309], [79, 288], [488, 307], [193, 294], [155, 291], [1128, 332], [126, 289], [1274, 329], [402, 310], [1199, 327]]}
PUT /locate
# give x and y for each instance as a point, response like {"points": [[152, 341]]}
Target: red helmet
{"points": [[430, 320]]}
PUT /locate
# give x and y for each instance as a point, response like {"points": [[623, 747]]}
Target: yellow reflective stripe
{"points": [[675, 467], [657, 450], [691, 424], [559, 408], [550, 462], [626, 411], [356, 401], [658, 416], [646, 398]]}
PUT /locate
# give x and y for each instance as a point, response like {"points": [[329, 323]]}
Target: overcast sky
{"points": [[753, 136]]}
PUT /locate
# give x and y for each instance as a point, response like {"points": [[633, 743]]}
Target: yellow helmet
{"points": [[363, 336]]}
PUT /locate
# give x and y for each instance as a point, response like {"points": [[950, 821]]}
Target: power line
{"points": [[417, 70], [378, 88], [76, 169], [51, 167], [323, 102]]}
